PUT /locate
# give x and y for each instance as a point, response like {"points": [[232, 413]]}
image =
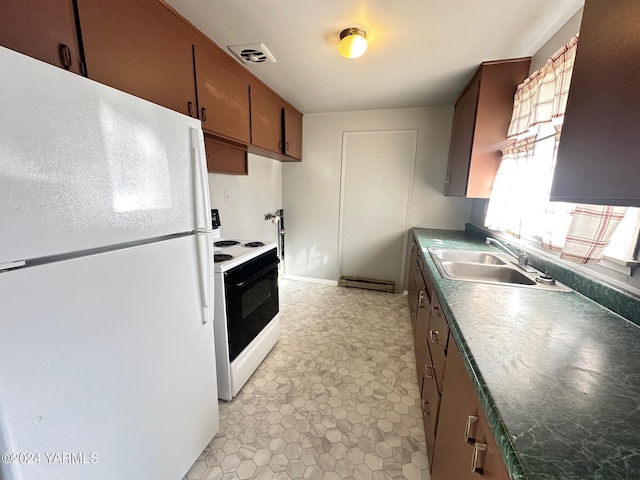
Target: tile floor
{"points": [[335, 399]]}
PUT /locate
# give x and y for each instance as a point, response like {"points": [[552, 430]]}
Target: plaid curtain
{"points": [[580, 232], [590, 232], [542, 98]]}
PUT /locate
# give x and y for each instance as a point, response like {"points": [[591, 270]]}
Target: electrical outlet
{"points": [[227, 196]]}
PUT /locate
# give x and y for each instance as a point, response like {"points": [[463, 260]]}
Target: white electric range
{"points": [[246, 319]]}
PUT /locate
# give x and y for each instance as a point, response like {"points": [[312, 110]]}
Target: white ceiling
{"points": [[421, 52]]}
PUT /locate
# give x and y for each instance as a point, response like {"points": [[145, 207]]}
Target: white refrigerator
{"points": [[107, 366]]}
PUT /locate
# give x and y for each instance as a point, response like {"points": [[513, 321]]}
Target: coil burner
{"points": [[221, 257], [253, 244], [226, 243]]}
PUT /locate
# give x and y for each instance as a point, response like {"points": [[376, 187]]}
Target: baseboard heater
{"points": [[367, 283]]}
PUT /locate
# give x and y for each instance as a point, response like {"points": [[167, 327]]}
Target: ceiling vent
{"points": [[252, 53]]}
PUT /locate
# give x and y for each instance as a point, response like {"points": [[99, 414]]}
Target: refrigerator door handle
{"points": [[205, 261], [202, 203]]}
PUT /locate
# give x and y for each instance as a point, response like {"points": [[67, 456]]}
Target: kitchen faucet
{"points": [[522, 257]]}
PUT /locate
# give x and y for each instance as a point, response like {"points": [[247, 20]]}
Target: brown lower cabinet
{"points": [[464, 446], [430, 364], [460, 444]]}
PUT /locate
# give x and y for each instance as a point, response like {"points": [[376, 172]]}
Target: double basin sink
{"points": [[490, 267]]}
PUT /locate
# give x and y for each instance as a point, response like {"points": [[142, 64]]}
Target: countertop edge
{"points": [[506, 447]]}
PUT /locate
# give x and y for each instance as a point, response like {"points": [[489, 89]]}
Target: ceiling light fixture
{"points": [[353, 42]]}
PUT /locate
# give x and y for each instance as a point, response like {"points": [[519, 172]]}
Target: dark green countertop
{"points": [[558, 375]]}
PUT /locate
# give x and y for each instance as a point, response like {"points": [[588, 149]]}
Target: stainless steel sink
{"points": [[484, 273], [488, 267], [474, 256]]}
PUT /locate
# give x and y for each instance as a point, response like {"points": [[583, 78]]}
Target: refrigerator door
{"points": [[108, 371], [84, 166]]}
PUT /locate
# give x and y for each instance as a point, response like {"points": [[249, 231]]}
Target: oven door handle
{"points": [[253, 277]]}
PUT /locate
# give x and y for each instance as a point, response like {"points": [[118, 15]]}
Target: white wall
{"points": [[560, 38], [311, 189], [250, 197]]}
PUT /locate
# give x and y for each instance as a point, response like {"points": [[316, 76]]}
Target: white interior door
{"points": [[377, 179]]}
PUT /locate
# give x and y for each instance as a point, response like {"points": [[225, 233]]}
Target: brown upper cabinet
{"points": [[42, 29], [223, 93], [225, 157], [292, 130], [145, 48], [136, 46], [266, 119], [480, 126], [599, 148]]}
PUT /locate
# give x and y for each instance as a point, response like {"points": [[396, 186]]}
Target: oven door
{"points": [[251, 291]]}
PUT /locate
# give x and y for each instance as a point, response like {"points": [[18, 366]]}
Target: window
{"points": [[519, 202]]}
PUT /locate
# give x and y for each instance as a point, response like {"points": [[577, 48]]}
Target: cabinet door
{"points": [[458, 422], [464, 119], [420, 300], [266, 119], [480, 127], [462, 429], [488, 461], [129, 46], [223, 157], [437, 336], [292, 122], [411, 268], [430, 410], [223, 94], [42, 29], [598, 153], [430, 403], [421, 340]]}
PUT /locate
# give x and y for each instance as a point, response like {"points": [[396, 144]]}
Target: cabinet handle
{"points": [[280, 145], [477, 458], [287, 144], [471, 420], [203, 117], [425, 408], [448, 180], [65, 56], [190, 108], [435, 336], [421, 298], [429, 371], [435, 310]]}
